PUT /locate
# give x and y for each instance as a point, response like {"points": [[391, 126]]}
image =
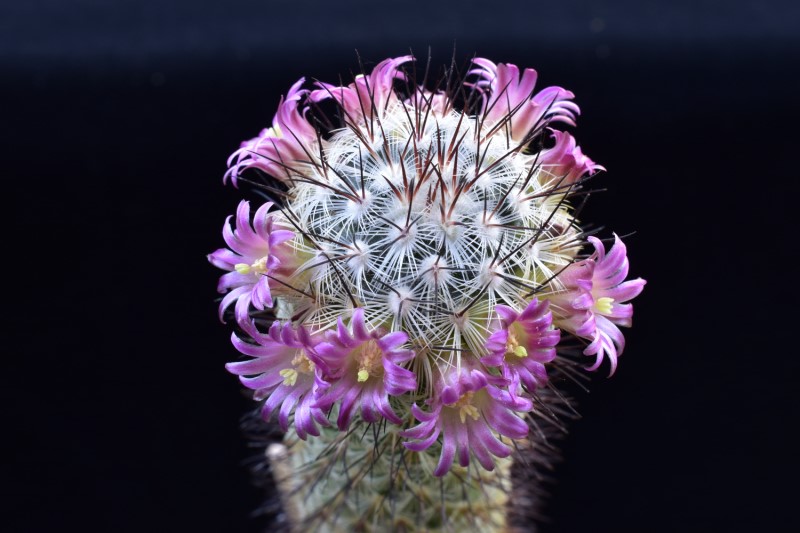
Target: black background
{"points": [[117, 118]]}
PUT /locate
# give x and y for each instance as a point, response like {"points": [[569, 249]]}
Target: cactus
{"points": [[411, 292]]}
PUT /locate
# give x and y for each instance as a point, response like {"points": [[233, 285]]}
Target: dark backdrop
{"points": [[117, 118]]}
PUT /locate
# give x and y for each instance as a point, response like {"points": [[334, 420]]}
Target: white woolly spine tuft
{"points": [[427, 230]]}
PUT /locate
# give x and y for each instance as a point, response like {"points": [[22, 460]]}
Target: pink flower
{"points": [[255, 254], [283, 373], [593, 302], [369, 95], [509, 95], [282, 149], [364, 369], [468, 409], [524, 342], [566, 161], [429, 103]]}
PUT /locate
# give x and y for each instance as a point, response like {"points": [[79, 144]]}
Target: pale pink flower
{"points": [[523, 343], [430, 104], [283, 149], [566, 161], [283, 373], [469, 410], [369, 95], [594, 301], [509, 95], [364, 369], [255, 254]]}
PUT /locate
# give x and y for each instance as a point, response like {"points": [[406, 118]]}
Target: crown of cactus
{"points": [[417, 271]]}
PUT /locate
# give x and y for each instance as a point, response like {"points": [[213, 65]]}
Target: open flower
{"points": [[566, 161], [282, 372], [594, 301], [469, 411], [523, 343], [509, 95], [254, 253], [282, 149], [364, 370]]}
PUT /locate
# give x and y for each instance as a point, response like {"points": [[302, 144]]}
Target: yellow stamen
{"points": [[289, 376], [603, 305], [258, 267], [470, 410], [513, 347], [465, 407], [302, 363], [369, 361]]}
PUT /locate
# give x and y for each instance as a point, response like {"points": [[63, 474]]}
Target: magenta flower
{"points": [[369, 95], [523, 344], [255, 253], [593, 302], [507, 94], [284, 374], [282, 149], [566, 161], [469, 409], [364, 369]]}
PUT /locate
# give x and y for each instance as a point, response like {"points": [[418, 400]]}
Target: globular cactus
{"points": [[410, 290]]}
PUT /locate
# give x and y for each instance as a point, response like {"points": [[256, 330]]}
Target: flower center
{"points": [[259, 267], [369, 361], [465, 407], [603, 305], [513, 347], [301, 364]]}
